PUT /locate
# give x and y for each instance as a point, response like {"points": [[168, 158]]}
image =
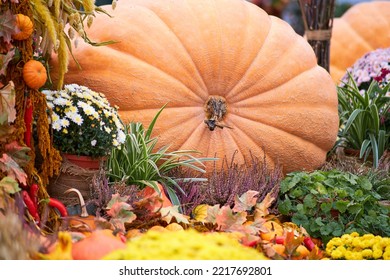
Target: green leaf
{"points": [[310, 201], [341, 205], [284, 207], [354, 208], [326, 206], [9, 185]]}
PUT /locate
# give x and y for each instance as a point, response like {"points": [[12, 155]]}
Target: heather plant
{"points": [[232, 179]]}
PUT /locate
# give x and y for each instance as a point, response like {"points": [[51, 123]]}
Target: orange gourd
{"points": [[363, 28], [34, 74], [25, 27], [95, 246], [233, 77], [273, 230]]}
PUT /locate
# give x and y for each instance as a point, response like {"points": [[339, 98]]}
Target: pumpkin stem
{"points": [[215, 109], [84, 212]]}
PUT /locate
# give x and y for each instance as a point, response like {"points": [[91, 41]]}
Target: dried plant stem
{"points": [[317, 18]]}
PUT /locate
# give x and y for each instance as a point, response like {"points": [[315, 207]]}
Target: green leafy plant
{"points": [[363, 115], [331, 203], [136, 162]]}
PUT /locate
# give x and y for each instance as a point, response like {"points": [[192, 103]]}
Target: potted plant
{"points": [[83, 122], [85, 128], [364, 116]]}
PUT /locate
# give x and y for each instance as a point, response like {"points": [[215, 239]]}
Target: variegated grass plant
{"points": [[137, 162], [363, 116]]}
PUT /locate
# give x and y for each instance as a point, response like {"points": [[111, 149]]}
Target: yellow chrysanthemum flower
{"points": [[185, 245]]}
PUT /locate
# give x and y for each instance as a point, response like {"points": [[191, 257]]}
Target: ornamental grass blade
{"points": [[374, 146], [352, 118], [374, 114], [151, 126]]}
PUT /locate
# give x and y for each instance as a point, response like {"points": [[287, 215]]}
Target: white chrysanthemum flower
{"points": [[107, 129], [89, 110], [76, 118], [55, 117], [64, 122], [71, 87], [57, 125], [61, 101], [93, 143]]}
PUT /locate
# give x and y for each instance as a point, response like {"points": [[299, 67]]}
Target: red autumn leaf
{"points": [[261, 209], [7, 104], [12, 169], [18, 153], [245, 202], [227, 220], [170, 212]]}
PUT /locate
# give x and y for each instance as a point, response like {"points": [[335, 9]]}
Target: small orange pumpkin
{"points": [[274, 229], [34, 74], [25, 26], [96, 245]]}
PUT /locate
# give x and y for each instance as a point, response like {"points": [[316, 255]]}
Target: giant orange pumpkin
{"points": [[363, 28], [233, 77]]}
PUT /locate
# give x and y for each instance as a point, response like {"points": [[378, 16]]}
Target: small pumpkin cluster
{"points": [[288, 241], [34, 72]]}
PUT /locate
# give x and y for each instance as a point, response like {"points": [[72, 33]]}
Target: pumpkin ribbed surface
{"points": [[257, 71], [363, 28]]}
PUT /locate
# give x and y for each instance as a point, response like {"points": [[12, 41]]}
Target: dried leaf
{"points": [[261, 209], [10, 185], [12, 169], [4, 60], [292, 242], [7, 26], [18, 153], [116, 198], [212, 212], [7, 104], [227, 220], [256, 227], [167, 213], [149, 204], [245, 202]]}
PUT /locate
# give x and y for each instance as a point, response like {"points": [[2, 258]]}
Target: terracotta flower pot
{"points": [[84, 161]]}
